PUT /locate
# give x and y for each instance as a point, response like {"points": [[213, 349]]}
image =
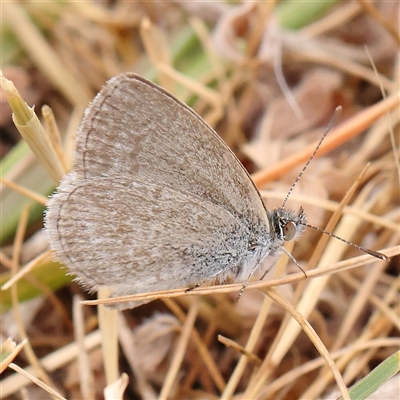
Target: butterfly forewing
{"points": [[134, 126]]}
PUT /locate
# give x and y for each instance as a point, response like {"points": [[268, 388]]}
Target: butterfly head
{"points": [[288, 225]]}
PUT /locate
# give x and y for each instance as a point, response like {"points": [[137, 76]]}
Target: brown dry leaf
{"points": [[154, 339], [232, 26], [365, 31], [314, 96]]}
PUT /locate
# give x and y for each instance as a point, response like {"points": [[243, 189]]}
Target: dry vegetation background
{"points": [[267, 76]]}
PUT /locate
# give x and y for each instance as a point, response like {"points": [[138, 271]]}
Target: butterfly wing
{"points": [[134, 126], [139, 236]]}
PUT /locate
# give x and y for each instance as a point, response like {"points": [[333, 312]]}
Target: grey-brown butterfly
{"points": [[156, 200]]}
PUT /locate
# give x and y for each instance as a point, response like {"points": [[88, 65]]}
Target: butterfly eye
{"points": [[252, 247], [289, 230]]}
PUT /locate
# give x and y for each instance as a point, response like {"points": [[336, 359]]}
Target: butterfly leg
{"points": [[268, 269], [249, 277], [245, 283]]}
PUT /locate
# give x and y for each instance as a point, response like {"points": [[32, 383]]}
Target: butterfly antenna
{"points": [[335, 115], [372, 253]]}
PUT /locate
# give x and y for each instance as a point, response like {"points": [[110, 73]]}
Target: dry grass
{"points": [[269, 93]]}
